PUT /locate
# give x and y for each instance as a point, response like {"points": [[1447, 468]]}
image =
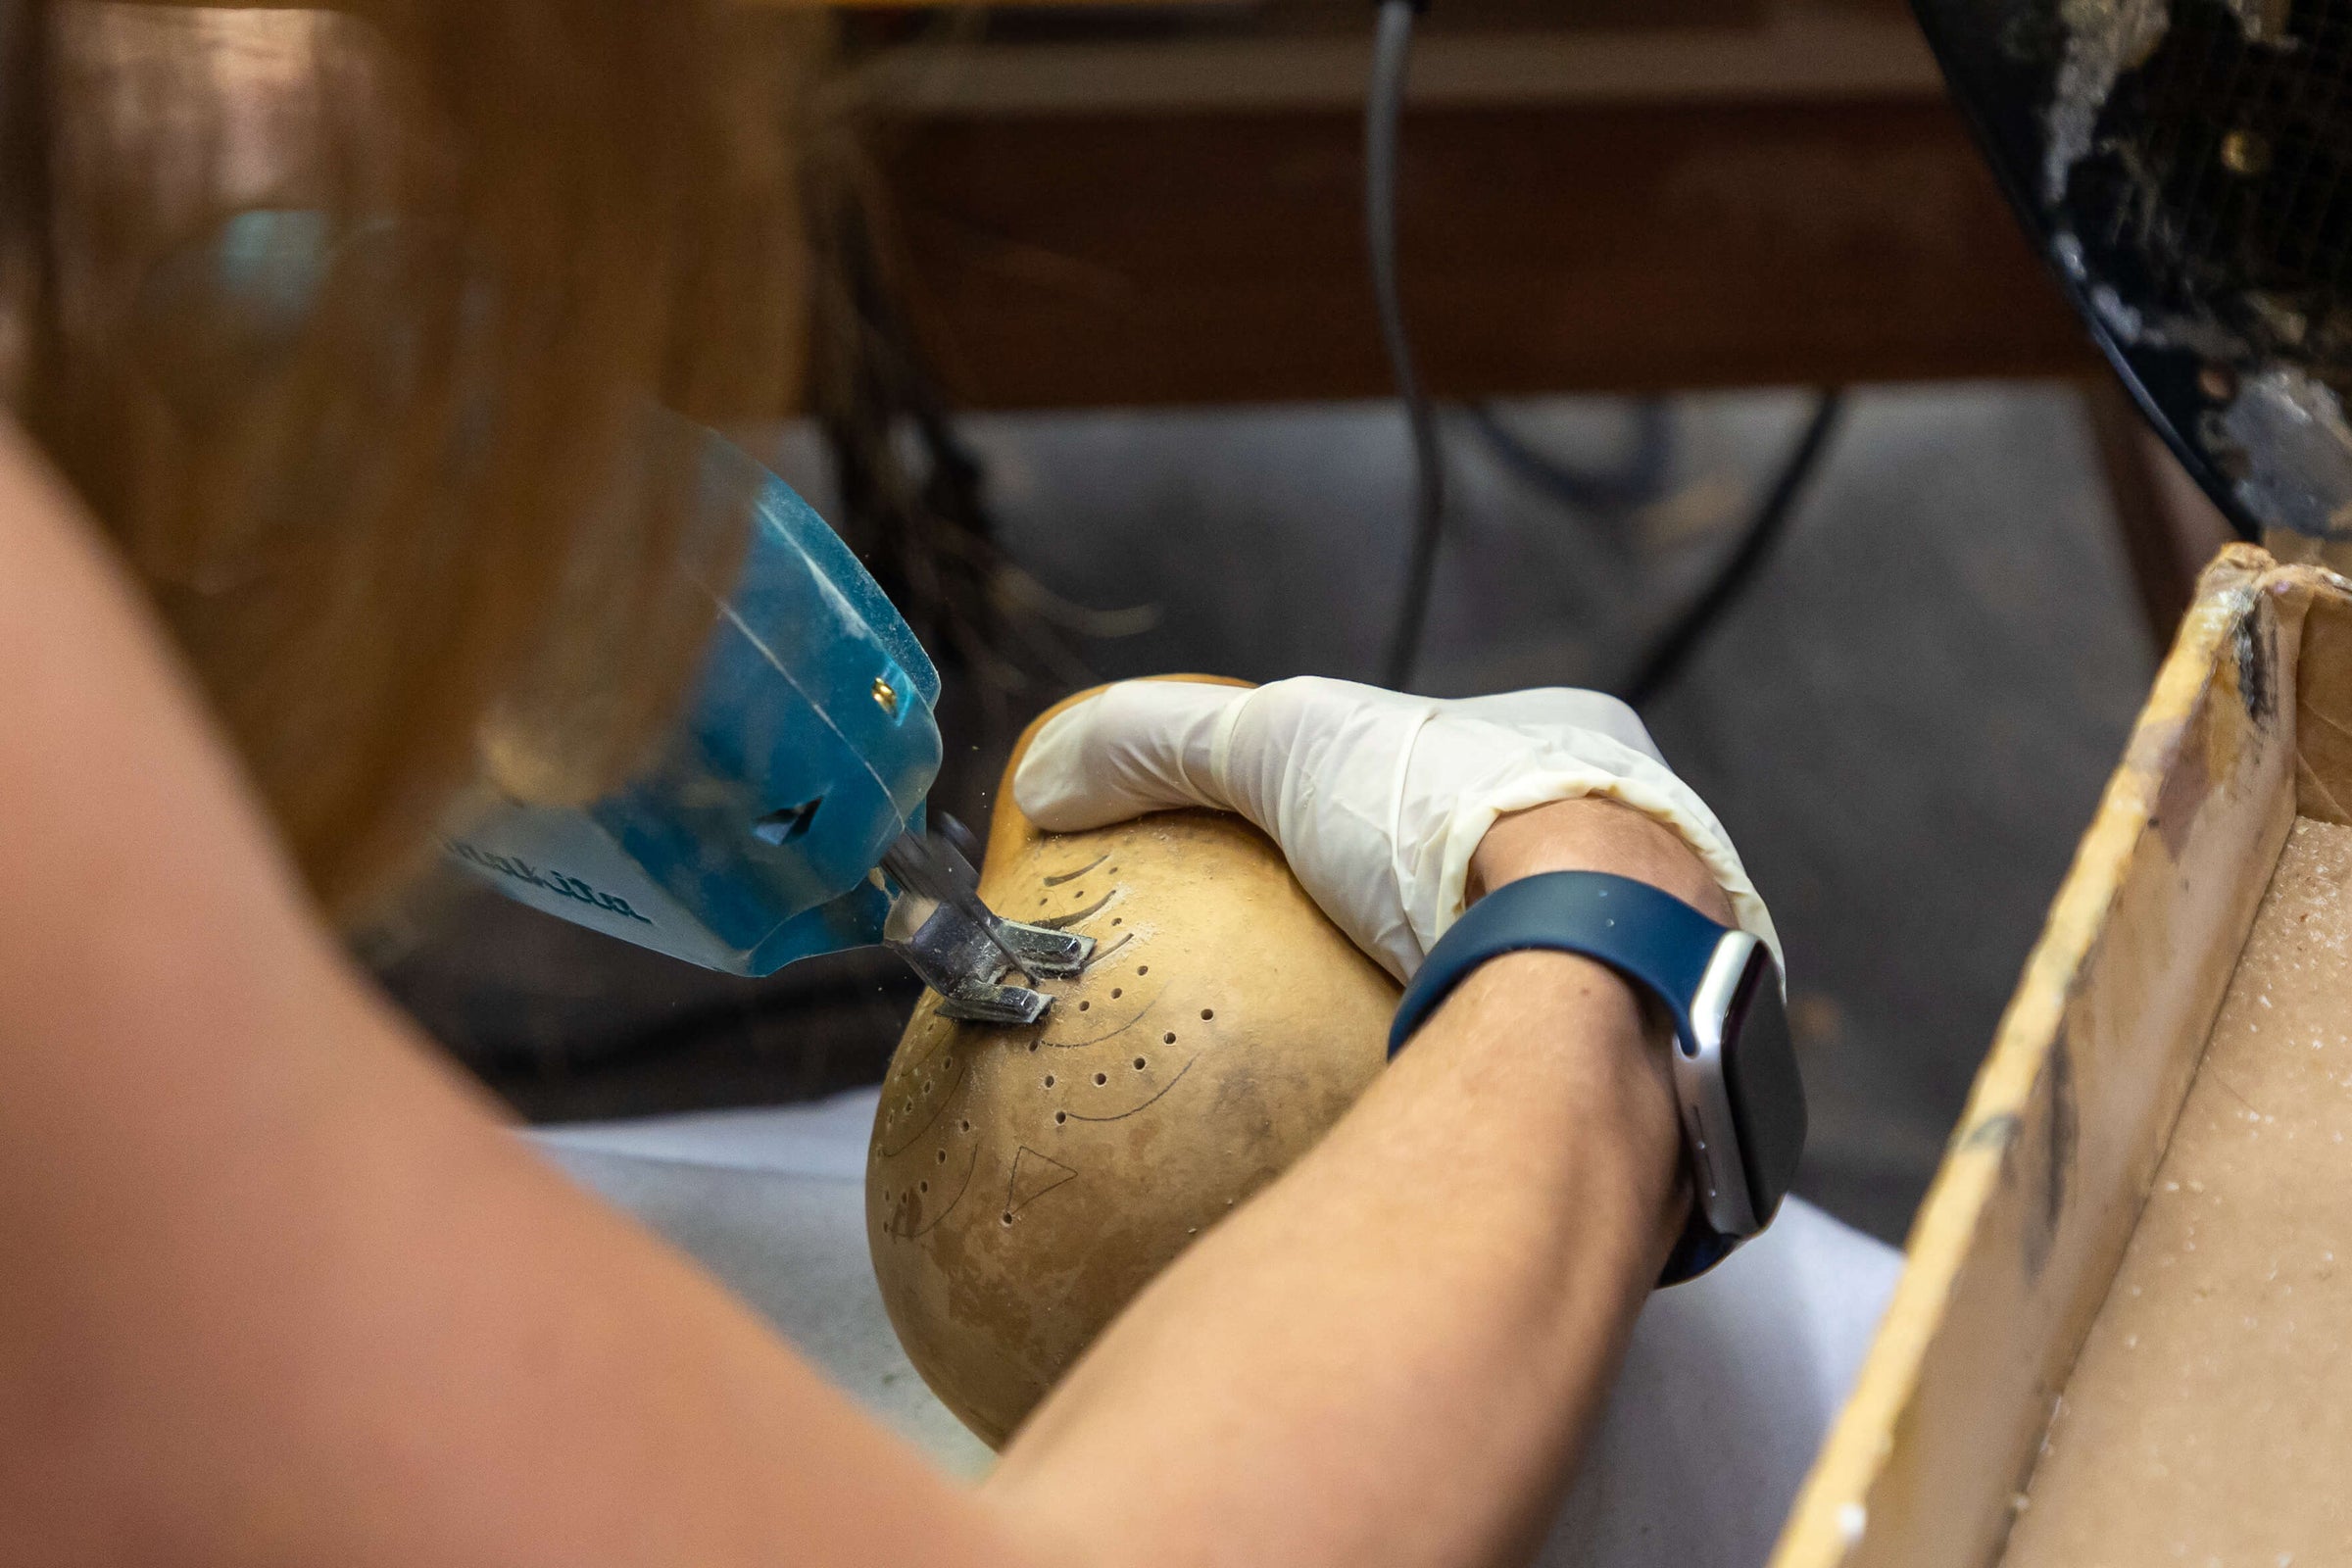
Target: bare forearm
{"points": [[1391, 1355], [278, 1288]]}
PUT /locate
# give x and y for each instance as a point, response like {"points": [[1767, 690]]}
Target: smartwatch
{"points": [[1741, 1103]]}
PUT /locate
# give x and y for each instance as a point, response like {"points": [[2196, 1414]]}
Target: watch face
{"points": [[1768, 1099]]}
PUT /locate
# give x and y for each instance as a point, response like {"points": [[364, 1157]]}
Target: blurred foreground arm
{"points": [[281, 1287]]}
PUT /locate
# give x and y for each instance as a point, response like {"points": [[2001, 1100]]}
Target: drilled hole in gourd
{"points": [[1138, 1064], [1168, 1038], [1009, 1219], [964, 1126], [1116, 993], [1048, 1080], [922, 1186], [1207, 1014], [1032, 1045], [1142, 968], [1083, 1005], [1060, 1117], [943, 1156], [1115, 920], [1101, 1078]]}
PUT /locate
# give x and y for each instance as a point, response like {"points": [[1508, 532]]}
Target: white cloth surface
{"points": [[772, 1201], [1729, 1387]]}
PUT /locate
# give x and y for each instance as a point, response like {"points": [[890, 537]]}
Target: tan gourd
{"points": [[1023, 1184]]}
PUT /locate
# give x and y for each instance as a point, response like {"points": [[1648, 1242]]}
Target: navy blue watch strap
{"points": [[1651, 938]]}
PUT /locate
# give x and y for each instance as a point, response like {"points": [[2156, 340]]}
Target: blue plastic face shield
{"points": [[751, 836]]}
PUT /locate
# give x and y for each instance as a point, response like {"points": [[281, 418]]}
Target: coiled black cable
{"points": [[1384, 111], [1672, 648]]}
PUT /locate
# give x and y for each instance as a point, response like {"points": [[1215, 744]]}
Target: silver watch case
{"points": [[1727, 1193]]}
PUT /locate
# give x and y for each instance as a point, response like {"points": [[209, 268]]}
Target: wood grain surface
{"points": [[2019, 1238], [2209, 1417], [1074, 259]]}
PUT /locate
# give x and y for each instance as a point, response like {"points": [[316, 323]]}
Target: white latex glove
{"points": [[1378, 798]]}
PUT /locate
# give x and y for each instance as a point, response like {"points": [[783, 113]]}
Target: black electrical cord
{"points": [[1635, 482], [1671, 651], [1384, 111]]}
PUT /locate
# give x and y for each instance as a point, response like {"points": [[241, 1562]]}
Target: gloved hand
{"points": [[1378, 798]]}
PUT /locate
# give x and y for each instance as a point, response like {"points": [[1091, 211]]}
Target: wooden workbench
{"points": [[1146, 205], [2120, 1332]]}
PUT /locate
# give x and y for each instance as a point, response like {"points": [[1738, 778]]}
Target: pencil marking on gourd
{"points": [[969, 1166], [1147, 1105]]}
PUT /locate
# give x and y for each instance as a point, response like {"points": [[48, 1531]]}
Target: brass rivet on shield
{"points": [[2245, 152]]}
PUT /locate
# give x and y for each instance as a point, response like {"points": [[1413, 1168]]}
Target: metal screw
{"points": [[2245, 152], [887, 696]]}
